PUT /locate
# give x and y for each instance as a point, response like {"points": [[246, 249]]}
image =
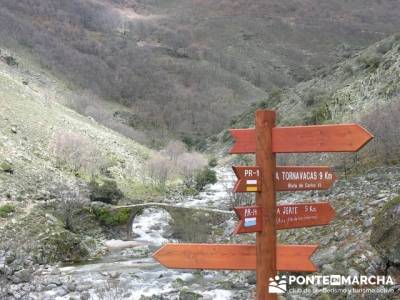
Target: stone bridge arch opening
{"points": [[188, 224]]}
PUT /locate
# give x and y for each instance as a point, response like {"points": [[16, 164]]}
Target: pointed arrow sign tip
{"points": [[295, 258]]}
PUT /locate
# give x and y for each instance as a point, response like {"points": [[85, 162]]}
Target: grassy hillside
{"points": [[37, 131], [186, 67]]}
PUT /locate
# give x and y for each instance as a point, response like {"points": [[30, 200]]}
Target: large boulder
{"points": [[385, 234], [63, 245]]}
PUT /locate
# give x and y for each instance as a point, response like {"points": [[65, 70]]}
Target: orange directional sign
{"points": [[291, 178], [295, 139], [294, 258], [304, 215], [249, 219], [287, 178], [249, 179], [287, 216]]}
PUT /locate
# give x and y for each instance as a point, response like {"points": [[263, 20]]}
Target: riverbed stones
{"points": [[185, 294], [23, 275], [84, 296], [71, 286], [114, 274]]}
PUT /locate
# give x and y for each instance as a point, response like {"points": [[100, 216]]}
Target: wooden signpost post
{"points": [[265, 218]]}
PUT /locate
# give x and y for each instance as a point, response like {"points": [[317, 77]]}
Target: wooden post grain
{"points": [[266, 240]]}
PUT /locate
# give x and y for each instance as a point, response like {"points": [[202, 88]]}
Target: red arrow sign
{"points": [[249, 179], [294, 258], [295, 139], [287, 178], [304, 215], [287, 216], [291, 178]]}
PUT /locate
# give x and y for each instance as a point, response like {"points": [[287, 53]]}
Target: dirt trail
{"points": [[127, 12]]}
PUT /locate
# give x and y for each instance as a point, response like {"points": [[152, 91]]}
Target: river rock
{"points": [[114, 274], [71, 286], [55, 271], [23, 275], [118, 244], [188, 295], [51, 286], [385, 235], [353, 272], [85, 296], [327, 269], [325, 256]]}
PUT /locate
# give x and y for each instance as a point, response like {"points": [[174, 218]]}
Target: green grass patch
{"points": [[136, 191], [113, 217], [6, 209]]}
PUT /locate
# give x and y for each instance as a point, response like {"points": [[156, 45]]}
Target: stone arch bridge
{"points": [[191, 215]]}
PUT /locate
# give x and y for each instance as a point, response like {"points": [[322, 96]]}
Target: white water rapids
{"points": [[129, 271]]}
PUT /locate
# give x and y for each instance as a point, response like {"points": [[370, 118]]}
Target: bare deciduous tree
{"points": [[159, 169], [70, 201], [174, 149], [189, 164], [76, 151]]}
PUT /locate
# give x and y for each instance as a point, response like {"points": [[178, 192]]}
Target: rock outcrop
{"points": [[385, 235]]}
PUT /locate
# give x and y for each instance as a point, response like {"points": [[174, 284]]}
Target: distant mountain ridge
{"points": [[186, 67]]}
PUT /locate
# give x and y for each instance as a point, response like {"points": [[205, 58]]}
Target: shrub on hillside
{"points": [[107, 191], [370, 61], [189, 165], [204, 177], [213, 162], [6, 210], [110, 217], [11, 61]]}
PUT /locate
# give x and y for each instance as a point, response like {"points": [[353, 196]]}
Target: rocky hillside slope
{"points": [[347, 91], [364, 88], [35, 125]]}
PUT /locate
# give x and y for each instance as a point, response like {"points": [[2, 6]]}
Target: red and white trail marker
{"points": [[249, 179]]}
